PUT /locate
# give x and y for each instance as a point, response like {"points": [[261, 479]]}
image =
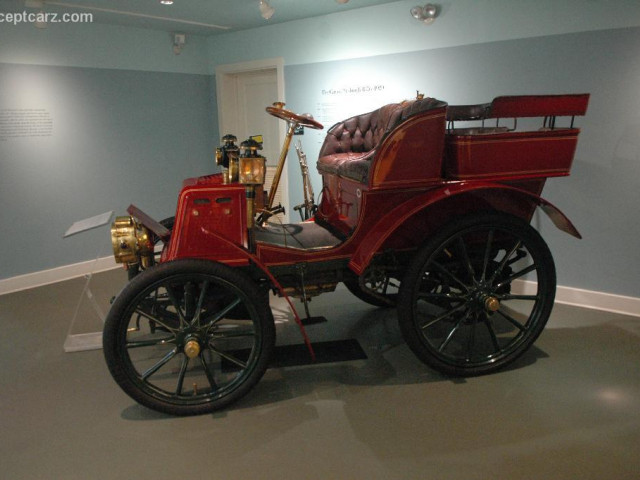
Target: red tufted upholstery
{"points": [[361, 133], [350, 146]]}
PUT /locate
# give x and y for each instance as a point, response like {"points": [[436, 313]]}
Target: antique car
{"points": [[424, 207]]}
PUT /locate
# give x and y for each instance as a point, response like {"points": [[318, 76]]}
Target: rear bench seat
{"points": [[350, 146]]}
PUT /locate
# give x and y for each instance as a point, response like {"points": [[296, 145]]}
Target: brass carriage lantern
{"points": [[252, 166], [251, 173], [252, 170]]}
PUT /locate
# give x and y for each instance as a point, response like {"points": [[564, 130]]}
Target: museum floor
{"points": [[570, 409]]}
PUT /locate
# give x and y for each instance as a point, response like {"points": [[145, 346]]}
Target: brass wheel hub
{"points": [[491, 304], [192, 348]]}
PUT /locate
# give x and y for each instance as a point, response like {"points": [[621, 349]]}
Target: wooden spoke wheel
{"points": [[188, 337], [463, 308]]}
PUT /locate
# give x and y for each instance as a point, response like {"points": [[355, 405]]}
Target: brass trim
{"points": [[491, 304], [131, 241], [192, 348]]}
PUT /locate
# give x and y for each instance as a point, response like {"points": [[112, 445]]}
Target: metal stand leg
{"points": [[309, 320], [93, 340]]}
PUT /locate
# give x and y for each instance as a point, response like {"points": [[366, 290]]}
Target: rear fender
{"points": [[394, 219]]}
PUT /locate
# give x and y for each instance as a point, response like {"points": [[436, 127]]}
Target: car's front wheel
{"points": [[189, 337]]}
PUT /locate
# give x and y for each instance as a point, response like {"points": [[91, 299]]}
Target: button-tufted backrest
{"points": [[363, 133]]}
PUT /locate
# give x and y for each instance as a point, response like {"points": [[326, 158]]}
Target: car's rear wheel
{"points": [[380, 290], [462, 307]]}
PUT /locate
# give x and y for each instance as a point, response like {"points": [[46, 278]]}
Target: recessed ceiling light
{"points": [[266, 10], [426, 14], [166, 2]]}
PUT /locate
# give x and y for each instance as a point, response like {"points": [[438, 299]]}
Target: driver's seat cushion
{"points": [[350, 146]]}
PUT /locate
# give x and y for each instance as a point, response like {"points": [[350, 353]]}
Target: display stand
{"points": [[93, 340]]}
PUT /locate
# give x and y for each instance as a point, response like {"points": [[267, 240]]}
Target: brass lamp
{"points": [[251, 173], [251, 165], [252, 170]]}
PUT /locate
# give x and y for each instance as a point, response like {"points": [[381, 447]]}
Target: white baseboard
{"points": [[578, 297], [608, 302], [54, 275]]}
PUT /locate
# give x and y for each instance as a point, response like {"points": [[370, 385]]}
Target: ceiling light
{"points": [[266, 10], [426, 14], [166, 2]]}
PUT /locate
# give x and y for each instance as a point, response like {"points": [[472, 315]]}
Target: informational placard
{"points": [[88, 223], [25, 123], [339, 102]]}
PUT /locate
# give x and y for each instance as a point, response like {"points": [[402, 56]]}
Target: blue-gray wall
{"points": [[131, 119], [118, 137], [97, 45]]}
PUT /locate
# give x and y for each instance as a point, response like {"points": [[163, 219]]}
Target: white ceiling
{"points": [[202, 17]]}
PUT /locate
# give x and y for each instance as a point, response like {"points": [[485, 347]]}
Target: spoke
{"points": [[487, 253], [205, 366], [150, 342], [450, 275], [176, 305], [160, 364], [443, 316], [223, 312], [492, 334], [517, 297], [385, 286], [444, 344], [448, 296], [156, 319], [522, 272], [189, 302], [471, 340], [231, 358], [513, 321], [183, 371], [232, 333], [465, 258], [203, 293], [504, 261]]}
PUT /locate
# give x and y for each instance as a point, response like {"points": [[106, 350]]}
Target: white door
{"points": [[257, 90], [244, 91]]}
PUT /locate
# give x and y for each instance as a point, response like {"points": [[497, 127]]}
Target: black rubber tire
{"points": [[448, 292], [143, 326]]}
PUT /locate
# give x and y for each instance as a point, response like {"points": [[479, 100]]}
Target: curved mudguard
{"points": [[390, 222]]}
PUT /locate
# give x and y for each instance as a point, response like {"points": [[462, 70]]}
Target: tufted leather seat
{"points": [[350, 146]]}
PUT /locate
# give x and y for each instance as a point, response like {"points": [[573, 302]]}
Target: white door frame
{"points": [[226, 95]]}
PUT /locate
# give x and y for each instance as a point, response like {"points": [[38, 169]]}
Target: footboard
{"points": [[479, 151]]}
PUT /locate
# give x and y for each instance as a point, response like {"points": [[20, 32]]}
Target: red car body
{"points": [[424, 206]]}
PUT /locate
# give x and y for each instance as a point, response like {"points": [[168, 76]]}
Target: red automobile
{"points": [[425, 207]]}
